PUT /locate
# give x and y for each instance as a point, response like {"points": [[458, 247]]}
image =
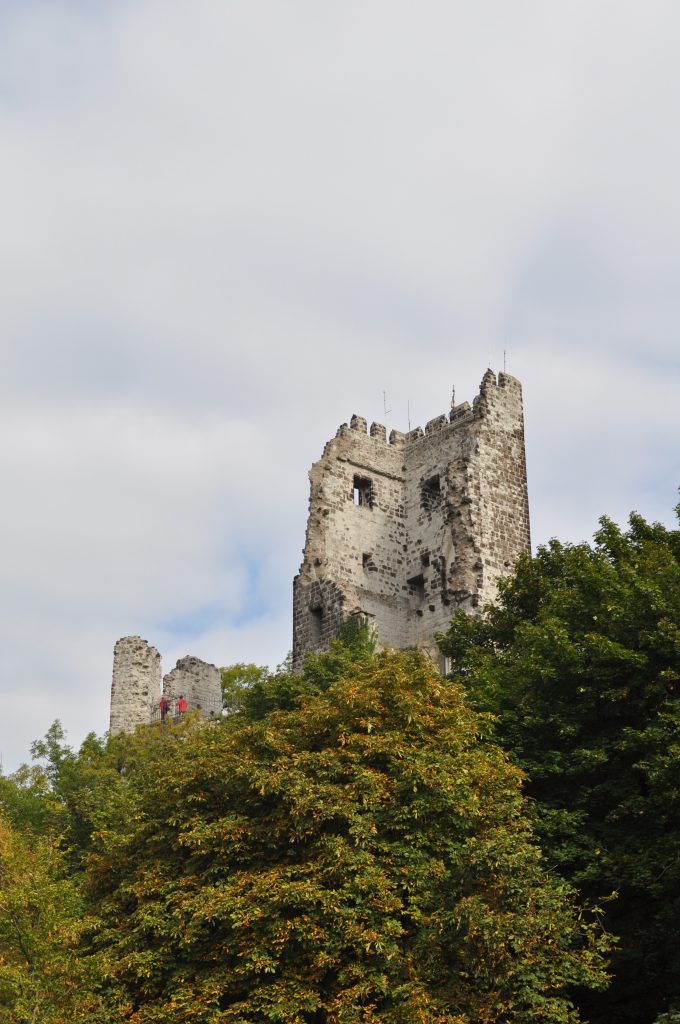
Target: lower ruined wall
{"points": [[199, 683], [136, 685]]}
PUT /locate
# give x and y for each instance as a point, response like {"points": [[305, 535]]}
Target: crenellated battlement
{"points": [[406, 528], [493, 387]]}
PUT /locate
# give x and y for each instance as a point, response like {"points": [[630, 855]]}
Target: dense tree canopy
{"points": [[580, 662], [362, 857]]}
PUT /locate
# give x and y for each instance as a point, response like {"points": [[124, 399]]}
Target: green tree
{"points": [[86, 790], [361, 857], [237, 679], [42, 979], [580, 662], [28, 801], [671, 1017], [255, 692]]}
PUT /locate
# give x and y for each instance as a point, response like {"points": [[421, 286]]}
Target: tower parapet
{"points": [[406, 532]]}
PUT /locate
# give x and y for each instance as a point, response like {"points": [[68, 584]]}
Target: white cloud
{"points": [[227, 227]]}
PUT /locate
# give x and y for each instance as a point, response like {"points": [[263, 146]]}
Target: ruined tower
{"points": [[136, 683], [406, 531]]}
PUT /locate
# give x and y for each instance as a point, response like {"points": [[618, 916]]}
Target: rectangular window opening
{"points": [[362, 492], [316, 624], [416, 589], [368, 563], [431, 492]]}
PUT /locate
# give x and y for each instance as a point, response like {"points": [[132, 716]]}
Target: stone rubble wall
{"points": [[448, 516], [199, 682]]}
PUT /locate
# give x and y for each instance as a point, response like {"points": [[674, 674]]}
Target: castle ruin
{"points": [[402, 532], [136, 690], [405, 532]]}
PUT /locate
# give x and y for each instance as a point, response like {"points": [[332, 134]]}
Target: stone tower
{"points": [[136, 683], [407, 531]]}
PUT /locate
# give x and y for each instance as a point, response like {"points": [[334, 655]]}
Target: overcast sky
{"points": [[227, 225]]}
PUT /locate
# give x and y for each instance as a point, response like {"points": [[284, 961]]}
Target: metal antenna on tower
{"points": [[453, 397], [387, 411]]}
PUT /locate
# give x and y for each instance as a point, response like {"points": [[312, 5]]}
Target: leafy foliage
{"points": [[580, 662], [41, 977], [237, 679], [28, 801], [87, 790], [360, 857], [254, 692], [671, 1017]]}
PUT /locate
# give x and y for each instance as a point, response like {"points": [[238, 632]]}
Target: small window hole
{"points": [[416, 589], [316, 624], [431, 492], [362, 492]]}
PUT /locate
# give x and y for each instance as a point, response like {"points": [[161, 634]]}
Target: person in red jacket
{"points": [[181, 704], [163, 707]]}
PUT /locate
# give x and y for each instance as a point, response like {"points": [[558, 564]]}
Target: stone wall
{"points": [[406, 531]]}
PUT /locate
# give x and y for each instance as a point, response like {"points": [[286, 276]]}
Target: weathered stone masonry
{"points": [[136, 683], [407, 531]]}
